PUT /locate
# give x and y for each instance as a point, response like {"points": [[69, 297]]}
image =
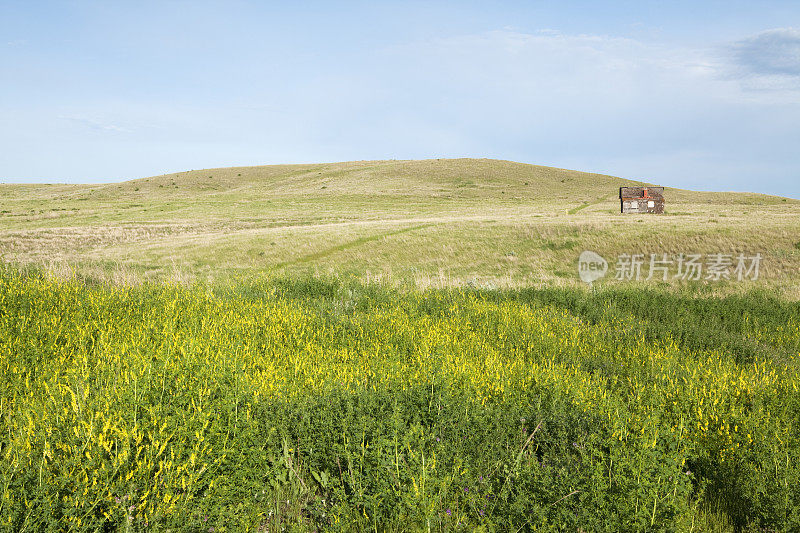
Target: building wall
{"points": [[643, 205]]}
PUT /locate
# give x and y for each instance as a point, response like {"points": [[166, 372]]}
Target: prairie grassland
{"points": [[425, 223]]}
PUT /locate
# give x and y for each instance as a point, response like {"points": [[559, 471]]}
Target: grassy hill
{"points": [[271, 400], [432, 222]]}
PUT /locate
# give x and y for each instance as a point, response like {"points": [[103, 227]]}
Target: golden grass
{"points": [[431, 223]]}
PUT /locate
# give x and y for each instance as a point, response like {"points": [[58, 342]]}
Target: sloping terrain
{"points": [[432, 222]]}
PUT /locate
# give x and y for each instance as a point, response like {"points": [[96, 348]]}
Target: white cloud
{"points": [[93, 124]]}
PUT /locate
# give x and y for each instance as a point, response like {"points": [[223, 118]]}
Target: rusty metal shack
{"points": [[641, 199]]}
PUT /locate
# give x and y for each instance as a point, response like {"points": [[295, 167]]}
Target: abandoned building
{"points": [[641, 199]]}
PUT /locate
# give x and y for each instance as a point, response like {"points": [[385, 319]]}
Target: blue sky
{"points": [[701, 95]]}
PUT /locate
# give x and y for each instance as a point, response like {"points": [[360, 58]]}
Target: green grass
{"points": [[308, 404], [391, 345]]}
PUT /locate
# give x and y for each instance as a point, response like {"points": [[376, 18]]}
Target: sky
{"points": [[691, 94]]}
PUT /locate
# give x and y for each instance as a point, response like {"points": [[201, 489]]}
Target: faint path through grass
{"points": [[587, 204], [351, 244]]}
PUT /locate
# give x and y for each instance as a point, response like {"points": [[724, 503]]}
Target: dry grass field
{"points": [[428, 223]]}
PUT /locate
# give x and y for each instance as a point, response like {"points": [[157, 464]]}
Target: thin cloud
{"points": [[546, 54], [768, 62], [540, 70], [770, 53], [94, 125]]}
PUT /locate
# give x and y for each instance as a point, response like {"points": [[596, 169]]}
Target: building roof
{"points": [[638, 193]]}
